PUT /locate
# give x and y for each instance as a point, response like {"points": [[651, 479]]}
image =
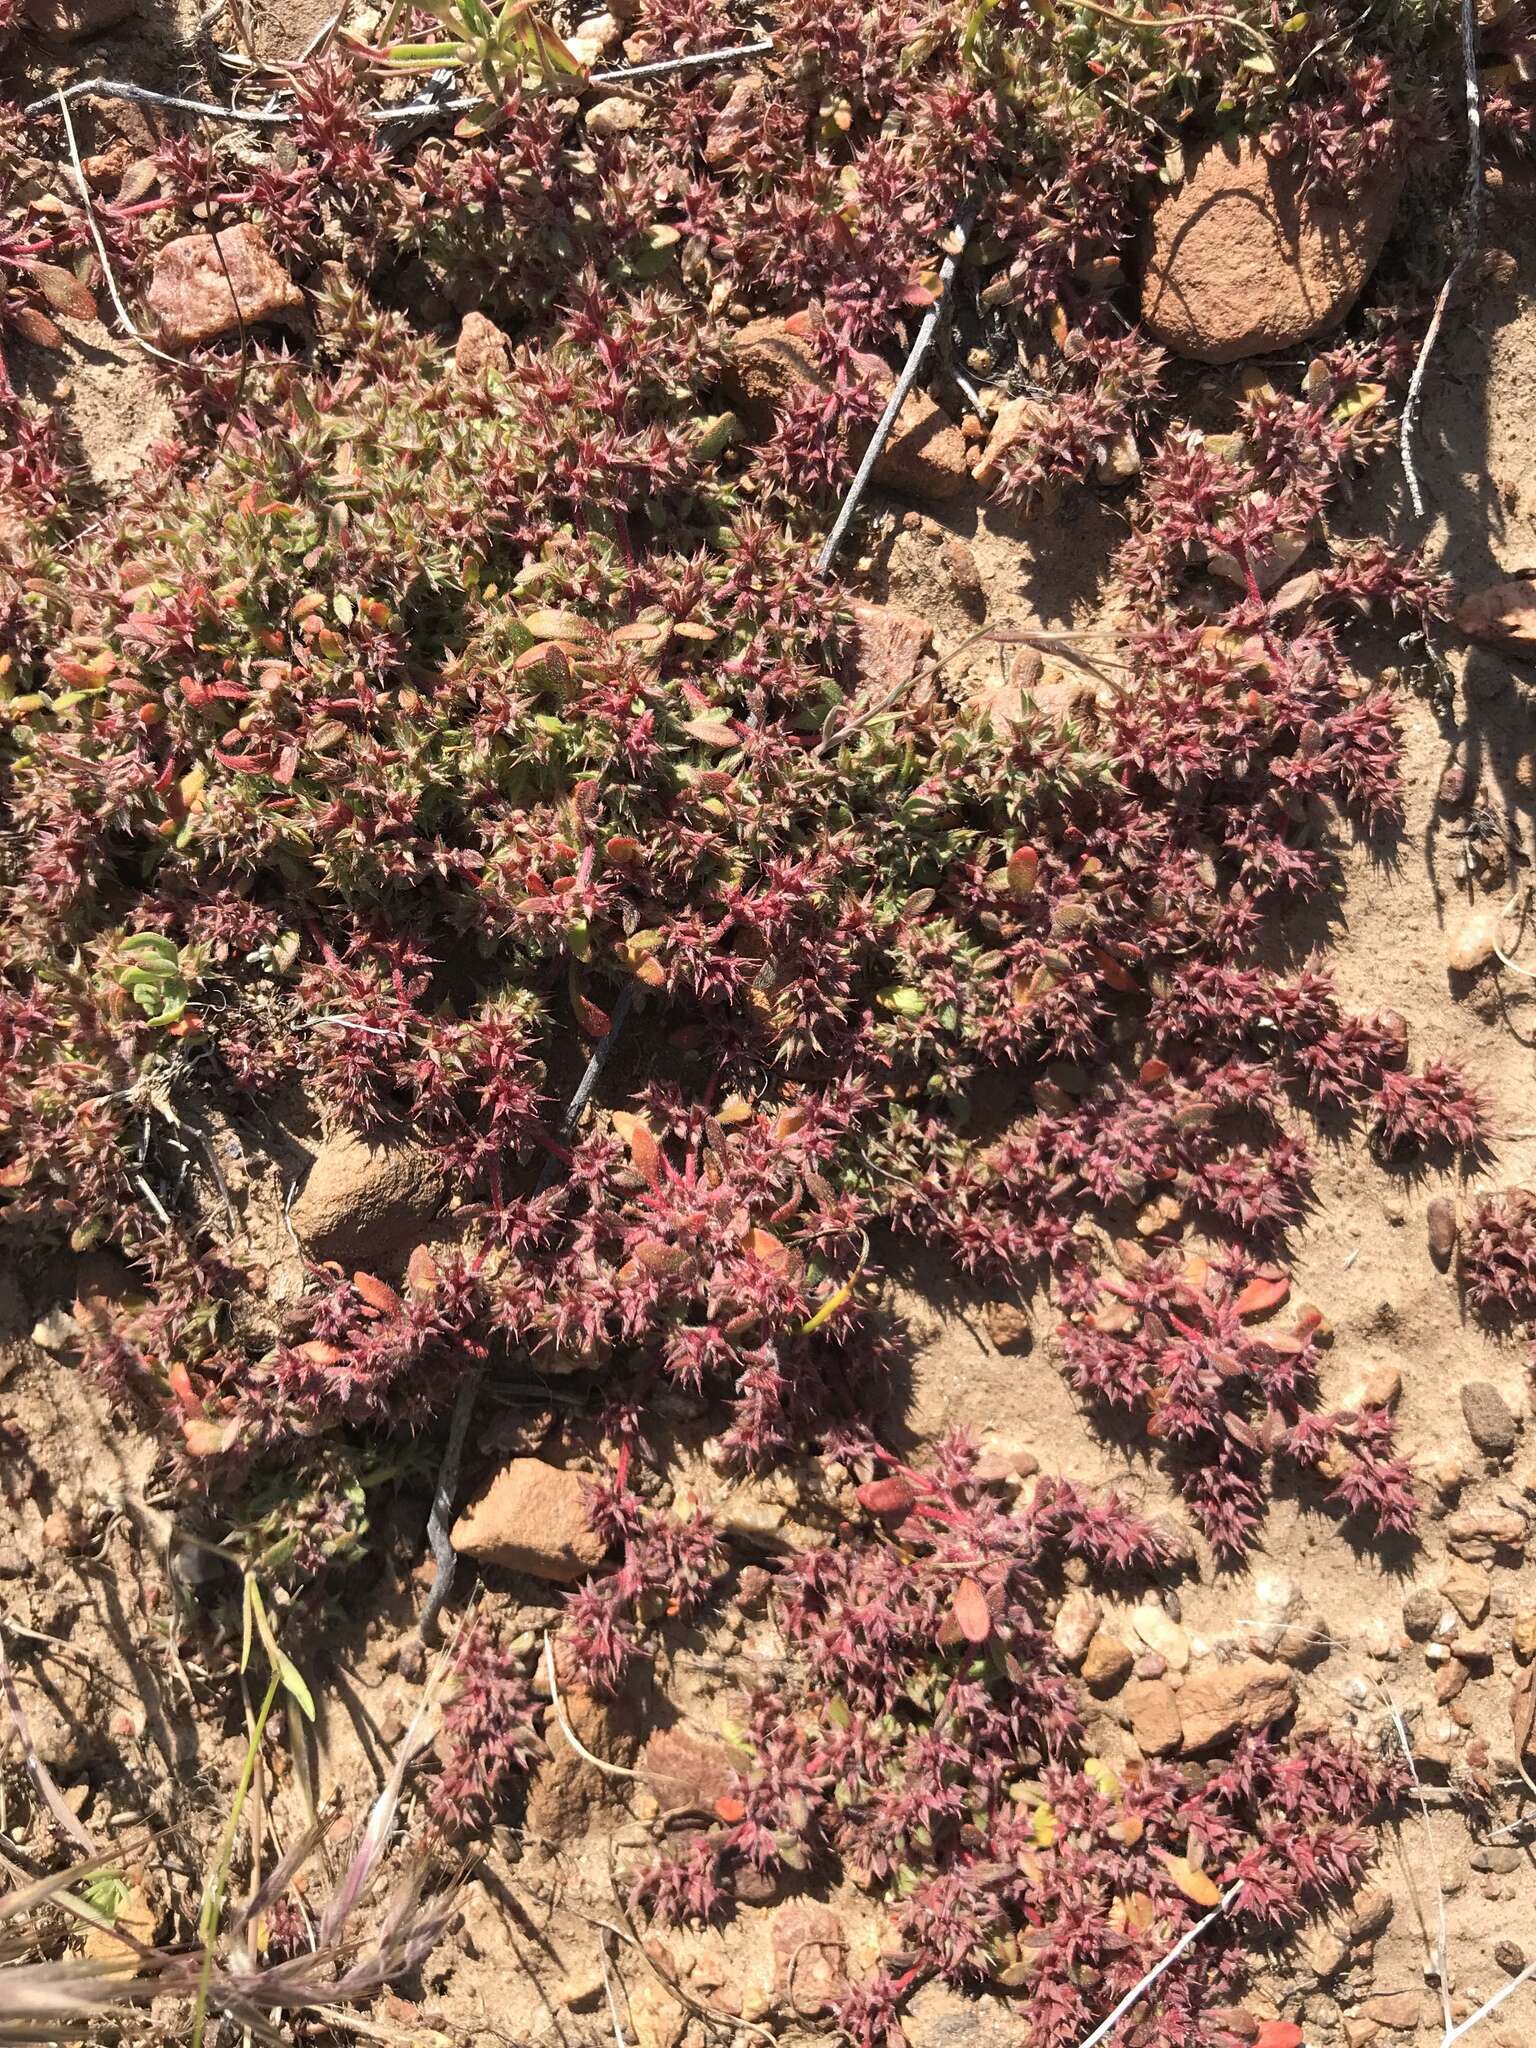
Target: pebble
{"points": [[1468, 1587], [1446, 1471], [1397, 2010], [1163, 1636], [1498, 1859], [616, 116], [1223, 1700], [1077, 1621], [1473, 941], [1510, 1956], [1153, 1714], [1371, 1918], [55, 1331], [1326, 1952], [1107, 1663], [1477, 1533], [959, 563], [1490, 1421], [1421, 1613], [532, 1518], [1440, 1222], [204, 286], [65, 1529], [1449, 1680], [1008, 1326], [1379, 1639], [1239, 259]]}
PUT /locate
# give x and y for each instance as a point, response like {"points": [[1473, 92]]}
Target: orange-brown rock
{"points": [[205, 286], [1241, 257]]}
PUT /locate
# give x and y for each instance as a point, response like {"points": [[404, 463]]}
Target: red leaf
{"points": [[729, 1808], [1261, 1295], [972, 1615], [377, 1293], [63, 291], [36, 327], [886, 1497], [1023, 870], [646, 1153], [593, 1021], [1279, 2034], [1118, 976], [772, 1251], [421, 1273]]}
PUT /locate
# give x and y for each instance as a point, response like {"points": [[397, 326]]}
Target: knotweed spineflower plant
{"points": [[488, 1740], [397, 723], [927, 1743], [1181, 1346], [1496, 1257]]}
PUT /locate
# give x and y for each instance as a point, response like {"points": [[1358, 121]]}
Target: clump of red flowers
{"points": [[488, 1740], [1496, 1256], [927, 1743], [1180, 1344], [397, 728]]}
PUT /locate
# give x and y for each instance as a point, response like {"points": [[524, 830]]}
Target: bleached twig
{"points": [[1488, 2005], [1442, 1951], [1471, 231], [101, 247], [921, 343], [281, 117], [612, 1996], [1108, 2024], [597, 1762]]}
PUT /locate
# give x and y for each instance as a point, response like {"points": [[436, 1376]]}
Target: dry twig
{"points": [[1471, 231]]}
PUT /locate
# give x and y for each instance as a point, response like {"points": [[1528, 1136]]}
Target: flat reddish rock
{"points": [[686, 1768], [205, 286], [1151, 1709], [1224, 1700], [888, 646], [1239, 259], [808, 1957], [1504, 614], [531, 1518]]}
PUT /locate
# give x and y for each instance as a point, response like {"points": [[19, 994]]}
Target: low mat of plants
{"points": [[400, 728]]}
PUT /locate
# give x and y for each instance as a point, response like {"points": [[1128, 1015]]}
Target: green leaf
{"points": [[104, 1894], [294, 1686], [905, 1002], [287, 1671]]}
